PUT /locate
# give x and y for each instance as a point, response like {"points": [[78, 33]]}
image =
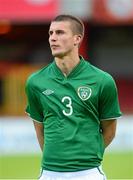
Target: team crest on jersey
{"points": [[84, 92]]}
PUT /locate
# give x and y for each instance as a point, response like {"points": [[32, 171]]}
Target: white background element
{"points": [[120, 8], [17, 136]]}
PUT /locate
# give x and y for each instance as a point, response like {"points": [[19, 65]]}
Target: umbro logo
{"points": [[47, 92]]}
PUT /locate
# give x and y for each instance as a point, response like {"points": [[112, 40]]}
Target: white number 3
{"points": [[68, 105]]}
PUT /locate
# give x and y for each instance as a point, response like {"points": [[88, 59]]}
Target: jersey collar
{"points": [[76, 70]]}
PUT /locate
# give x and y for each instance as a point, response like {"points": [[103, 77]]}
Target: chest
{"points": [[69, 97]]}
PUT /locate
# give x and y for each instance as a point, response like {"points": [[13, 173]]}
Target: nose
{"points": [[53, 37]]}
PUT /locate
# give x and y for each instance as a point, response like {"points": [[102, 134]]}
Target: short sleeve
{"points": [[108, 101], [34, 108]]}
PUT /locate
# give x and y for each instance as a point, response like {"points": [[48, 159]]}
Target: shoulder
{"points": [[98, 73], [35, 77], [105, 79]]}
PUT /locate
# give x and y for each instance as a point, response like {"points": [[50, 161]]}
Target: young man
{"points": [[74, 106]]}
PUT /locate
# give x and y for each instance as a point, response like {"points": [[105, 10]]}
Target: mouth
{"points": [[54, 46]]}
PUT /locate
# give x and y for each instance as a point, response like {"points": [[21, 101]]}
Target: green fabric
{"points": [[71, 109]]}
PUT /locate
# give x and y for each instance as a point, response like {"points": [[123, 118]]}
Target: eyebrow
{"points": [[57, 31]]}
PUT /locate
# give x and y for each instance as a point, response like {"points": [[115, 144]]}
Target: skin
{"points": [[109, 130], [39, 128], [64, 44]]}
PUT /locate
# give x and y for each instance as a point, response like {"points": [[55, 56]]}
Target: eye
{"points": [[50, 32], [60, 32]]}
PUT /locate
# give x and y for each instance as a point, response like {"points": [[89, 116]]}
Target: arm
{"points": [[39, 128], [108, 130]]}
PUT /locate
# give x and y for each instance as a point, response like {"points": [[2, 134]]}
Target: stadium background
{"points": [[24, 48]]}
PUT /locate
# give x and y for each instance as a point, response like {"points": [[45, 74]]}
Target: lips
{"points": [[54, 46]]}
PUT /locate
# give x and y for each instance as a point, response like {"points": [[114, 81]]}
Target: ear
{"points": [[77, 39]]}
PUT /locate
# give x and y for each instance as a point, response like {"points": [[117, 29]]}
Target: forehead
{"points": [[61, 25]]}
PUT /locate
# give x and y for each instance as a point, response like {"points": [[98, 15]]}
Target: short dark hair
{"points": [[77, 24]]}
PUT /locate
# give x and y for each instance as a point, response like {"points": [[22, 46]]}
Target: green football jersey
{"points": [[71, 109]]}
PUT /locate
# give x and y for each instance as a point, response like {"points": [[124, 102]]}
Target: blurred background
{"points": [[24, 48]]}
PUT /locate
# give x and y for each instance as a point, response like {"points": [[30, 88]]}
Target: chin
{"points": [[58, 55]]}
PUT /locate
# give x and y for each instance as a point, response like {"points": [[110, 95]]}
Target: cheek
{"points": [[68, 42], [49, 41]]}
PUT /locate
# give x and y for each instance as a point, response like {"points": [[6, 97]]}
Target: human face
{"points": [[61, 38]]}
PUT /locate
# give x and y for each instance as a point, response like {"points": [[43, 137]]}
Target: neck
{"points": [[67, 63]]}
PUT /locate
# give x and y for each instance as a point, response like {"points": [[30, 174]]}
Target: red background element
{"points": [[102, 15], [25, 10]]}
